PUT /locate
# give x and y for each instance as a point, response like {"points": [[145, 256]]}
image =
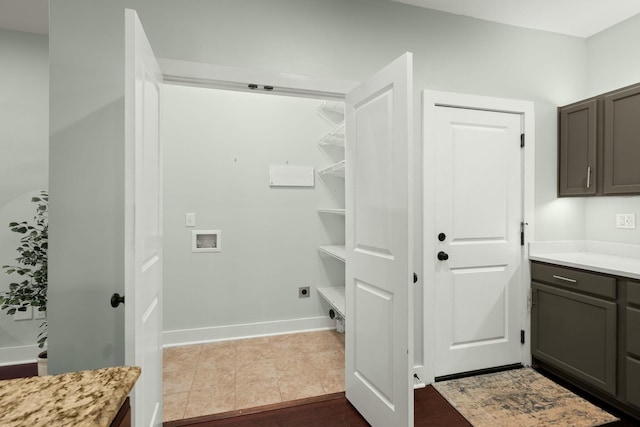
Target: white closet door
{"points": [[379, 270], [143, 223]]}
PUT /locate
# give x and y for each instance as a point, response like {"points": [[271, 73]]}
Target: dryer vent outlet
{"points": [[303, 292]]}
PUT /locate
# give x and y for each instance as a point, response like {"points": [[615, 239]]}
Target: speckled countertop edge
{"points": [[84, 398]]}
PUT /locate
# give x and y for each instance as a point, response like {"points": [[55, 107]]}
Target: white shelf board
{"points": [[332, 107], [334, 295], [336, 251], [332, 211], [336, 169], [334, 137]]}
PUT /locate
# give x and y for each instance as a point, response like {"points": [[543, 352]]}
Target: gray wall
{"points": [[340, 39], [614, 62], [218, 146], [86, 181], [24, 166]]}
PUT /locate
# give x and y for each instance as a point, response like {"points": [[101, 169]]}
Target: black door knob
{"points": [[415, 278], [443, 256], [116, 300], [442, 236]]}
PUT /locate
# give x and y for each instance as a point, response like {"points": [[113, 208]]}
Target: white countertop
{"points": [[618, 259]]}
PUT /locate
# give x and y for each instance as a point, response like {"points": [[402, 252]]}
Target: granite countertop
{"points": [[617, 259], [85, 398]]}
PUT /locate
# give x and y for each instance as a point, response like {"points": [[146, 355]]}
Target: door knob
{"points": [[415, 278], [442, 236], [443, 256], [116, 300]]}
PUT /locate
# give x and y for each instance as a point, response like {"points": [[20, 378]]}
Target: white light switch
{"points": [[190, 219]]}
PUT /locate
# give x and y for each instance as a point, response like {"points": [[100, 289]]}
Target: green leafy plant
{"points": [[30, 289]]}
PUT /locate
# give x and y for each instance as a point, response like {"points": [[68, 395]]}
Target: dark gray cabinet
{"points": [[585, 327], [599, 145], [574, 325], [577, 149], [622, 142], [632, 361]]}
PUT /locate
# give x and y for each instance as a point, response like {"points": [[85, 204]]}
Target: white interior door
{"points": [[379, 269], [143, 222], [478, 210]]}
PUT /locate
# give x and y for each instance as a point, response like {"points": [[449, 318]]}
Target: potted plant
{"points": [[30, 288]]}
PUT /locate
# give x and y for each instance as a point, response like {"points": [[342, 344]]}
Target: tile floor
{"points": [[205, 379]]}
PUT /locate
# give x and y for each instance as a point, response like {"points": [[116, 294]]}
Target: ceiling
{"points": [[581, 18]]}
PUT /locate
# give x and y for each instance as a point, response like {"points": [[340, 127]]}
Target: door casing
{"points": [[431, 100]]}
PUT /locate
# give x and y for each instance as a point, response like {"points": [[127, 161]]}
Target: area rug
{"points": [[519, 397]]}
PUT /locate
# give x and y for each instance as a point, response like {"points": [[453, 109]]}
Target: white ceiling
{"points": [[582, 18]]}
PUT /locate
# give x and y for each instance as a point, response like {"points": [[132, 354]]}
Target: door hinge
{"points": [[522, 233], [521, 336], [521, 140]]}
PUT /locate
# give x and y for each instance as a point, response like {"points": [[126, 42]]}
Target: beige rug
{"points": [[520, 397]]}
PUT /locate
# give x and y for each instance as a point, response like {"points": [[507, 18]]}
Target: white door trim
{"points": [[199, 74], [431, 100]]}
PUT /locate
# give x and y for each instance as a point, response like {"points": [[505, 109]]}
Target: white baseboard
{"points": [[18, 355], [247, 330]]}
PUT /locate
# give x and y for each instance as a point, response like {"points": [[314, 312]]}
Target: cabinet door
{"points": [[575, 333], [577, 149], [622, 142], [633, 385]]}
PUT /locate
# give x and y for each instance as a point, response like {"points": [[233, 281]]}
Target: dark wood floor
{"points": [[431, 409], [18, 371]]}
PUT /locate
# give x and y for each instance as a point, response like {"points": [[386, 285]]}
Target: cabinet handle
{"points": [[566, 279], [588, 176]]}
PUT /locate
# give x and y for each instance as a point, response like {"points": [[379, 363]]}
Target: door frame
{"points": [[430, 101], [214, 76]]}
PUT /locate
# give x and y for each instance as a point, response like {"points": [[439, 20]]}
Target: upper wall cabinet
{"points": [[622, 142], [577, 149], [599, 145]]}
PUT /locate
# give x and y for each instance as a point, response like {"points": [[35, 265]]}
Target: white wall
{"points": [[218, 146], [24, 134], [339, 39], [614, 62]]}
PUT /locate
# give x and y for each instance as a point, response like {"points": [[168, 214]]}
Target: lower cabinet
{"points": [[632, 324], [576, 333], [585, 328], [633, 382], [123, 417]]}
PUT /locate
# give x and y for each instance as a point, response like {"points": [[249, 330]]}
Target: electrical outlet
{"points": [[627, 221], [24, 315], [303, 292]]}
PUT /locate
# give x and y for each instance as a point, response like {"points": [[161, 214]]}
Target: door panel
{"points": [[143, 223], [479, 208], [379, 326]]}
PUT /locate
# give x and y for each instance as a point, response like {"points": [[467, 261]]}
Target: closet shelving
{"points": [[333, 143], [336, 169], [335, 297], [332, 211], [334, 137], [331, 110], [336, 251]]}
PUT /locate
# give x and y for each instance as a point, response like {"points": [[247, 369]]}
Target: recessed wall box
{"points": [[206, 241]]}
